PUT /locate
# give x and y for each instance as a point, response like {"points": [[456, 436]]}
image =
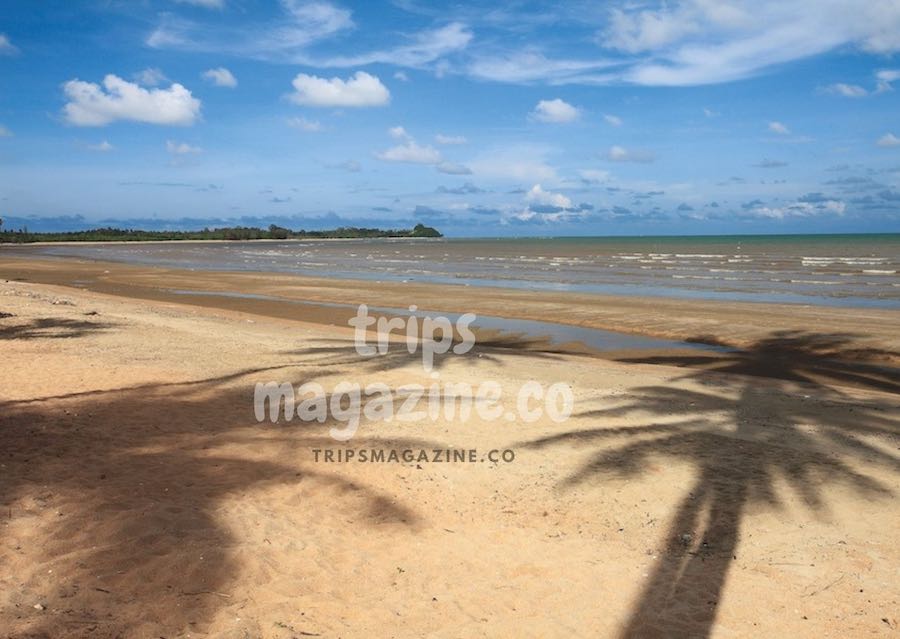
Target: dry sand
{"points": [[737, 495]]}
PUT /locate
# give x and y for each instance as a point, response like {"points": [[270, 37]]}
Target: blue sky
{"points": [[631, 117]]}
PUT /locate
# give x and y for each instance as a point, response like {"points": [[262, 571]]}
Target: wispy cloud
{"points": [[888, 140], [621, 154], [779, 128], [181, 148], [440, 138], [302, 24], [221, 77], [7, 47], [101, 147]]}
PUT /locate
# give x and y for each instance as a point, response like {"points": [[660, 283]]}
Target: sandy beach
{"points": [[733, 493]]}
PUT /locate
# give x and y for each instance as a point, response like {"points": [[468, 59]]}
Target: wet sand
{"points": [[740, 494]]}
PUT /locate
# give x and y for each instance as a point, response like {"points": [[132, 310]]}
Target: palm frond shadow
{"points": [[139, 496], [52, 327], [490, 347], [743, 436]]}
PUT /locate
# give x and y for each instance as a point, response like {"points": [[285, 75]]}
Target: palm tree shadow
{"points": [[743, 436], [135, 479]]}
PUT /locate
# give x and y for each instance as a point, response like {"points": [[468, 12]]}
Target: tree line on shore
{"points": [[274, 232]]}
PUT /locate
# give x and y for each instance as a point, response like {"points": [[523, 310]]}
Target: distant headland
{"points": [[274, 232]]}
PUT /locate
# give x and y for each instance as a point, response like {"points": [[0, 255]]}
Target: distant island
{"points": [[274, 232]]}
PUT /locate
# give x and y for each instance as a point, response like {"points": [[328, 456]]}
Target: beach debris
{"points": [[686, 539], [39, 606]]}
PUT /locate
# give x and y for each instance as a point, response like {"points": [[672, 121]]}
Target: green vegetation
{"points": [[274, 232]]}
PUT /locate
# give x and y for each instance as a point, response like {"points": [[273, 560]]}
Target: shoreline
{"points": [[872, 333]]}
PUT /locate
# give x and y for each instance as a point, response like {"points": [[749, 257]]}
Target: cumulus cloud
{"points": [[7, 47], [538, 195], [101, 147], [440, 138], [221, 77], [92, 105], [621, 154], [798, 209], [399, 133], [301, 123], [181, 148], [888, 140], [556, 111], [779, 128], [359, 90], [411, 152]]}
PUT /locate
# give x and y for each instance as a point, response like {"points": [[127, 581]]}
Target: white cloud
{"points": [[537, 195], [426, 48], [556, 111], [102, 147], [884, 78], [692, 42], [796, 210], [533, 66], [360, 90], [411, 153], [612, 119], [209, 4], [302, 24], [7, 47], [92, 105], [181, 148], [399, 133], [151, 77], [221, 77], [301, 123], [888, 140], [440, 138], [710, 113], [846, 90], [621, 154], [400, 75], [779, 128], [4, 132]]}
